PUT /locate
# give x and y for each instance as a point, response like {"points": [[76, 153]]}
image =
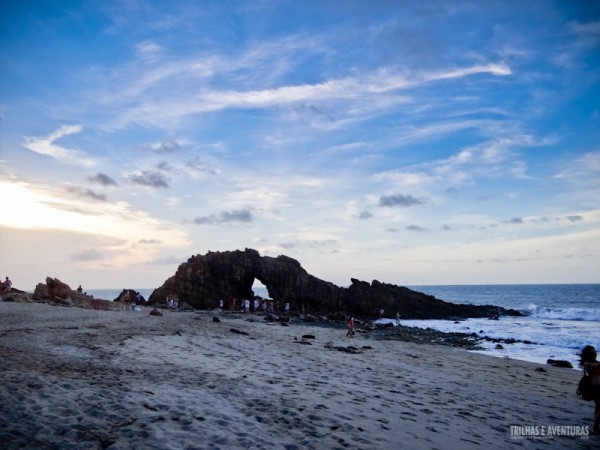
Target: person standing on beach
{"points": [[589, 363], [7, 286], [350, 327], [125, 301]]}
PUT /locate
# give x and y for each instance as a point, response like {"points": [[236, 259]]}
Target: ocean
{"points": [[560, 319]]}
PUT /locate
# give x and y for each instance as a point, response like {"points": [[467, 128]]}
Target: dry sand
{"points": [[76, 378]]}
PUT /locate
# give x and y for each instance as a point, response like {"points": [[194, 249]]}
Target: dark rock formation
{"points": [[54, 288], [205, 279], [58, 293]]}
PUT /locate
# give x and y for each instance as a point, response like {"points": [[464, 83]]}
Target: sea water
{"points": [[559, 319], [112, 294]]}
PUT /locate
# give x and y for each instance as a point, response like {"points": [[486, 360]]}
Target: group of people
{"points": [[258, 304], [173, 302], [129, 301]]}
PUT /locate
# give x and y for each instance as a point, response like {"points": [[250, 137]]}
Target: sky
{"points": [[438, 142]]}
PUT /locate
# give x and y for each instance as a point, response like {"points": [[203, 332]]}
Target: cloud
{"points": [[46, 209], [582, 170], [365, 215], [361, 96], [167, 260], [46, 146], [515, 220], [399, 200], [148, 51], [88, 193], [102, 179], [574, 219], [168, 146], [87, 255], [203, 166], [149, 178], [241, 215], [415, 228], [149, 241]]}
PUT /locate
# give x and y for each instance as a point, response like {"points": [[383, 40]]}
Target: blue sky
{"points": [[409, 142]]}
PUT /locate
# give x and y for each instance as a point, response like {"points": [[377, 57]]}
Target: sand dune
{"points": [[76, 378]]}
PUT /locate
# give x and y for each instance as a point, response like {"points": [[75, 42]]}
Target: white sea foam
{"points": [[539, 339], [544, 312]]}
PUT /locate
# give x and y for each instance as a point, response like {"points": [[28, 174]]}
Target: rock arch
{"points": [[205, 279]]}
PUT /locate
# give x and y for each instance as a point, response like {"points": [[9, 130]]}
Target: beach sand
{"points": [[78, 378]]}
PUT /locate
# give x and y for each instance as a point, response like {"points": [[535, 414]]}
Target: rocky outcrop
{"points": [[205, 279], [59, 293]]}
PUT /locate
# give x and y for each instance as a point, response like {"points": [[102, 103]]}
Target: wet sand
{"points": [[78, 378]]}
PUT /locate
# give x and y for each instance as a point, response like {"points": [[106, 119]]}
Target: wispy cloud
{"points": [[149, 241], [148, 51], [47, 146], [399, 200], [73, 212], [87, 193], [148, 178], [416, 228], [376, 88], [102, 179], [168, 146], [240, 215], [514, 220], [87, 255]]}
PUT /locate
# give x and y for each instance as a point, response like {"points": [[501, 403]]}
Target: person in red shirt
{"points": [[350, 327]]}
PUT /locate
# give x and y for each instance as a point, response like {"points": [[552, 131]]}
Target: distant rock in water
{"points": [[204, 280]]}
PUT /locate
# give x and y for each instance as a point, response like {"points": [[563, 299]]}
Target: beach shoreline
{"points": [[80, 378]]}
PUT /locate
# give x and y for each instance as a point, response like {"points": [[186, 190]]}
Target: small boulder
{"points": [[560, 363], [156, 312], [233, 330]]}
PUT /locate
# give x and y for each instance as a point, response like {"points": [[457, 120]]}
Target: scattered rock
{"points": [[540, 369], [349, 349], [308, 336], [216, 320], [559, 363], [499, 347], [233, 330], [156, 312]]}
